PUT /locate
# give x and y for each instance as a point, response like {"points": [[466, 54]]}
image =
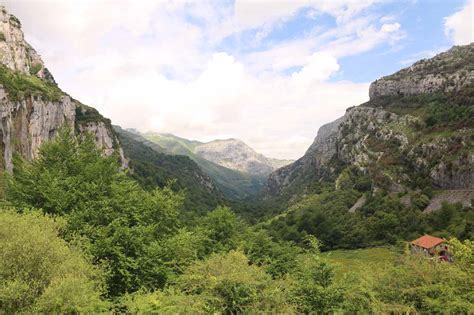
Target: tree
{"points": [[314, 290], [40, 273], [72, 178], [463, 252], [417, 284], [232, 285], [222, 228]]}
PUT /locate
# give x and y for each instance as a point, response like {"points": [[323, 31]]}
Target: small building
{"points": [[431, 246]]}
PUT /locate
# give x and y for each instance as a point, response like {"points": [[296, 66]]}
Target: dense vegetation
{"points": [[383, 219], [153, 168], [77, 235], [19, 85]]}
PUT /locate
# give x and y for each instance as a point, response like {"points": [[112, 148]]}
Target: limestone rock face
{"points": [[374, 140], [15, 52], [30, 119], [448, 71], [27, 123], [312, 164], [103, 136], [382, 138], [236, 155]]}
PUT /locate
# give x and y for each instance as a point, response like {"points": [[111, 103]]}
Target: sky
{"points": [[268, 72]]}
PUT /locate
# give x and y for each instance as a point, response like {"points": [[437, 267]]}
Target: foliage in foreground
{"points": [[155, 263], [40, 272]]}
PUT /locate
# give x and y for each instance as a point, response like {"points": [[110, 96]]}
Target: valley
{"points": [[98, 218]]}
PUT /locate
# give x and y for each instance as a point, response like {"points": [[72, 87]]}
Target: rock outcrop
{"points": [[387, 138], [15, 52], [313, 163], [27, 123], [32, 107], [448, 71]]}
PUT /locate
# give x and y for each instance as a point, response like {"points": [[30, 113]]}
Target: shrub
{"points": [[40, 273], [34, 69]]}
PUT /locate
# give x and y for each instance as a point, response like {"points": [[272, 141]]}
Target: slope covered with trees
{"points": [[151, 167], [106, 245], [233, 184], [100, 221]]}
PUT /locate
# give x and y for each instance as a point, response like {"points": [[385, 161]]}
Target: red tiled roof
{"points": [[427, 241]]}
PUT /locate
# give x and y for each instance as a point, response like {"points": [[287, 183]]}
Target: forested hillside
{"points": [[232, 183], [151, 167], [95, 220], [387, 170]]}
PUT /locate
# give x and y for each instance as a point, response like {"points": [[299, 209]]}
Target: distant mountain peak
{"points": [[236, 154]]}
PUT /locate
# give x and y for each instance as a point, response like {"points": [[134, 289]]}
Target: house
{"points": [[431, 246]]}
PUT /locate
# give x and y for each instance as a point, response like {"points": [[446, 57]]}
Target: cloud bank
{"points": [[460, 25], [206, 70]]}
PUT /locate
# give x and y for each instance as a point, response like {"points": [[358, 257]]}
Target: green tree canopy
{"points": [[40, 273]]}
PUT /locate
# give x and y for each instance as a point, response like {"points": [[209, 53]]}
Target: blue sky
{"points": [[269, 72]]}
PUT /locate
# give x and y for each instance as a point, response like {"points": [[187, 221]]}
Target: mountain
{"points": [[230, 153], [415, 133], [152, 167], [237, 155], [233, 183], [33, 107]]}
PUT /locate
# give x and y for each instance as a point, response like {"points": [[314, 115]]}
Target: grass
{"points": [[359, 260], [19, 85]]}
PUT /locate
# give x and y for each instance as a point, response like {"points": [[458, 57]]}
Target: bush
{"points": [[231, 285], [427, 287], [34, 69], [40, 273]]}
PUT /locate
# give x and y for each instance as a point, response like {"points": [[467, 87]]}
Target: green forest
{"points": [[81, 235]]}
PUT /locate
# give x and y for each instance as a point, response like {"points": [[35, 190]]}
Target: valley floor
{"points": [[359, 260]]}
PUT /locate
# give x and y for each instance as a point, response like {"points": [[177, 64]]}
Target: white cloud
{"points": [[145, 65], [389, 28], [278, 115], [460, 26], [319, 67]]}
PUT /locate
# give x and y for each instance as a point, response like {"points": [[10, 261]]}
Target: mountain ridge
{"points": [[234, 184], [416, 130], [232, 153]]}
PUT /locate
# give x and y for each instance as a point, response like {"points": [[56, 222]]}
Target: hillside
{"points": [[416, 131], [34, 108], [233, 183], [400, 165], [151, 167]]}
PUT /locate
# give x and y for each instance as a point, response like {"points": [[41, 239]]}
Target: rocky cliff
{"points": [[15, 53], [417, 130], [32, 107], [446, 72]]}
